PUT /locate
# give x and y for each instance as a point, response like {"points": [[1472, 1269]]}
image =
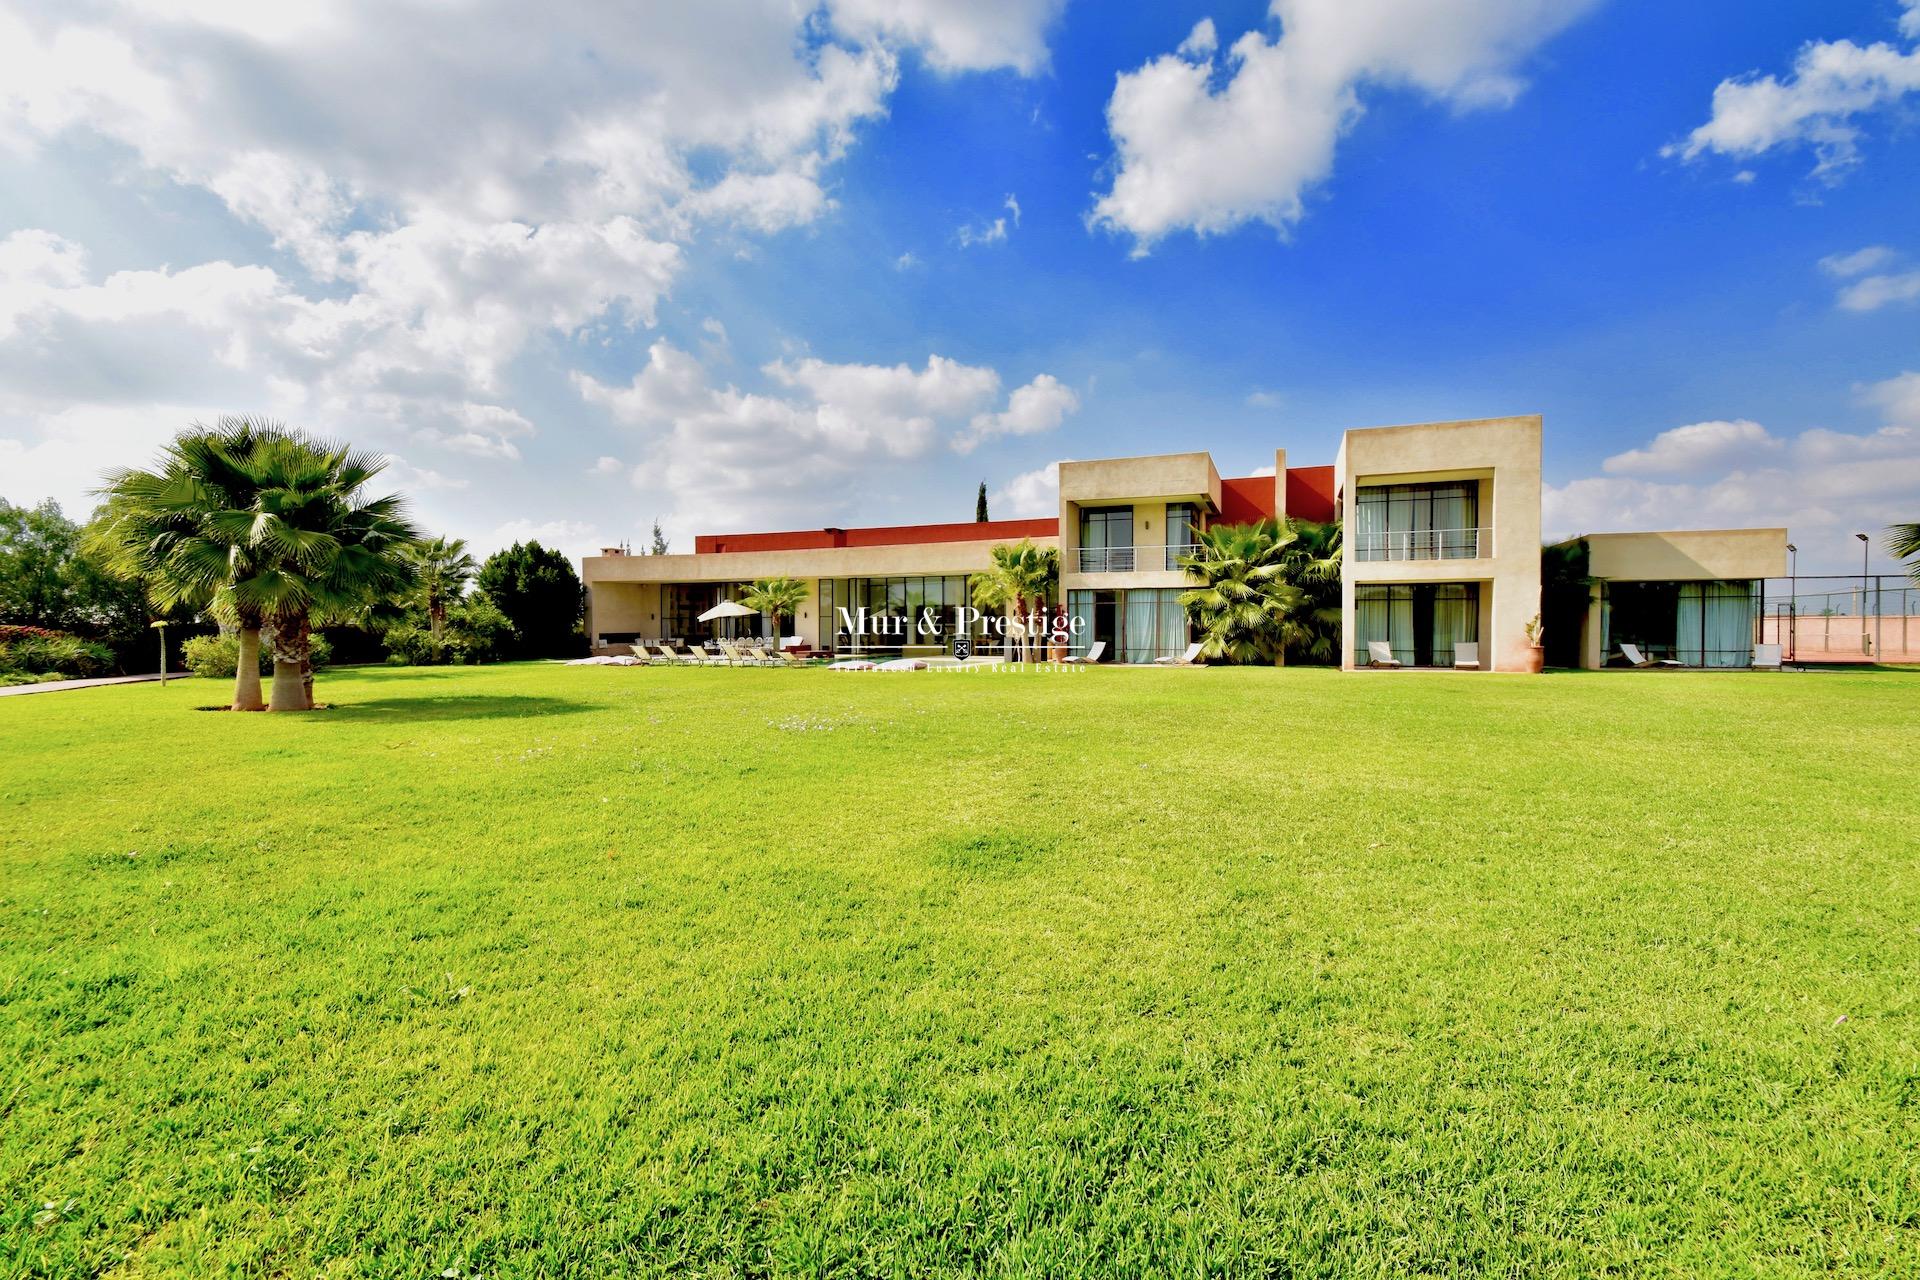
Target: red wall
{"points": [[1242, 500], [1249, 498], [890, 536], [1310, 494]]}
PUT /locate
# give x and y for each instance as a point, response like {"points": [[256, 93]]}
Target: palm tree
{"points": [[445, 569], [325, 551], [776, 596], [1903, 543], [1312, 563], [1244, 602], [164, 528], [1021, 579]]}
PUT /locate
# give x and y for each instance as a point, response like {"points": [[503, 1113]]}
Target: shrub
{"points": [[218, 657], [475, 631], [52, 653]]}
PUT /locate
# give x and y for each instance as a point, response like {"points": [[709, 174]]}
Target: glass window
{"points": [[1418, 521], [1702, 624], [1420, 623]]}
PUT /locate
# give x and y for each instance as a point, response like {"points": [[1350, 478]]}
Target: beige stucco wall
{"points": [[1504, 455], [1166, 476], [623, 592], [1687, 555]]}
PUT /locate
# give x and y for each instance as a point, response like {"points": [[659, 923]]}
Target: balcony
{"points": [[1424, 544], [1133, 559]]}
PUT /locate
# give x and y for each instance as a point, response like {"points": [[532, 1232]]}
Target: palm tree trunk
{"points": [[246, 676], [291, 690], [436, 616]]}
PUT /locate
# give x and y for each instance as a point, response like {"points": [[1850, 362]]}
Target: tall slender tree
{"points": [[980, 505], [445, 569]]}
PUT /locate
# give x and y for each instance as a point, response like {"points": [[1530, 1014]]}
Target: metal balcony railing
{"points": [[1132, 559], [1424, 544]]}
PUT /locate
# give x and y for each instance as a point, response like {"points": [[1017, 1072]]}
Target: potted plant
{"points": [[1536, 653]]}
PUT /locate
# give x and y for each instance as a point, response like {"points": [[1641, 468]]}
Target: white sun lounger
{"points": [[1380, 654], [1635, 658], [1090, 657], [1466, 655], [1187, 659]]}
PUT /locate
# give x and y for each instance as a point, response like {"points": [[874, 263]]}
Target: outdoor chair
{"points": [[1766, 657], [1090, 657], [1466, 655], [1187, 659], [1635, 658], [1380, 654]]}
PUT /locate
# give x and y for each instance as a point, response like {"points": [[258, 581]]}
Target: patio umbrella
{"points": [[729, 609]]}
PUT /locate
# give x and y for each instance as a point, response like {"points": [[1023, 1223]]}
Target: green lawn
{"points": [[543, 971]]}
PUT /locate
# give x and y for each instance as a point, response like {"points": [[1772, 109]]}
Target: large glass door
{"points": [[1106, 539]]}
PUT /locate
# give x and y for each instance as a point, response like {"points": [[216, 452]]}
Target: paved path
{"points": [[55, 686]]}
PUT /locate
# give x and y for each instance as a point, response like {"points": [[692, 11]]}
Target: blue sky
{"points": [[760, 264]]}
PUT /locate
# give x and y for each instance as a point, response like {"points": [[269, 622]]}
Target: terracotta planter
{"points": [[1536, 660]]}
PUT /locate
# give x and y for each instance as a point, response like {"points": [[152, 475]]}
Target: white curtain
{"points": [[1080, 606], [1728, 607], [1139, 631]]}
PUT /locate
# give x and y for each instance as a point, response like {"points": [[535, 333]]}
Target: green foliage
{"points": [[48, 578], [475, 632], [980, 504], [658, 546], [1565, 588], [444, 569], [40, 652], [1903, 543], [263, 527], [1311, 563], [775, 973], [1244, 603], [538, 591], [776, 597], [217, 657], [1021, 579]]}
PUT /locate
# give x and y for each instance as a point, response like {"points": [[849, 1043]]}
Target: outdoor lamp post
{"points": [[1793, 598], [161, 627], [1866, 641]]}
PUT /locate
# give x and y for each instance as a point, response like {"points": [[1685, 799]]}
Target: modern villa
{"points": [[1443, 561]]}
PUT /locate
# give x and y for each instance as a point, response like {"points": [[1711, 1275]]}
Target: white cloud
{"points": [[1833, 85], [1870, 287], [541, 174], [1845, 266], [957, 35], [1206, 146], [1822, 485], [1261, 399], [1201, 41], [817, 449], [1873, 292], [606, 465], [1898, 398], [1041, 405], [1029, 495], [1698, 447], [993, 232]]}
